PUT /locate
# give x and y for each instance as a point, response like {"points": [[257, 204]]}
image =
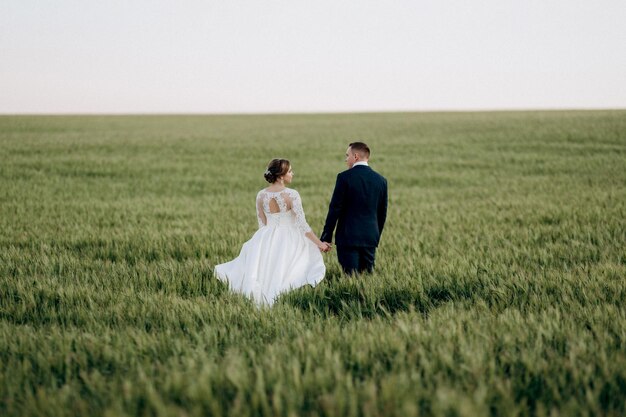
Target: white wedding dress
{"points": [[278, 257]]}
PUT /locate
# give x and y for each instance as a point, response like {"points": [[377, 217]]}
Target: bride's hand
{"points": [[324, 247]]}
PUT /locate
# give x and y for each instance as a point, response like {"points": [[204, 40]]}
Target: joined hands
{"points": [[326, 247]]}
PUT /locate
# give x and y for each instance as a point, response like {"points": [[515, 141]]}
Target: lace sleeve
{"points": [[299, 212], [260, 214]]}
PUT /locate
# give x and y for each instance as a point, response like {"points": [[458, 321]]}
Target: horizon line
{"points": [[316, 112]]}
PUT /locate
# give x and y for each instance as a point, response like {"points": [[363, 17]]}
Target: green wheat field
{"points": [[499, 290]]}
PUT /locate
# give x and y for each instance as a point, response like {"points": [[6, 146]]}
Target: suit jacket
{"points": [[358, 208]]}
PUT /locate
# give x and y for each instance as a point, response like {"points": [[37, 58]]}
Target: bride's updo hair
{"points": [[276, 169]]}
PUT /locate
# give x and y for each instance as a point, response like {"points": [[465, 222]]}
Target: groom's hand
{"points": [[329, 246]]}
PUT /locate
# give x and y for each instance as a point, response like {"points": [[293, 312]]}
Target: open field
{"points": [[500, 286]]}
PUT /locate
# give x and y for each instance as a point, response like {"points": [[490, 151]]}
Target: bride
{"points": [[284, 253]]}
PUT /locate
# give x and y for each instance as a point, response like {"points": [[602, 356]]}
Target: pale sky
{"points": [[235, 56]]}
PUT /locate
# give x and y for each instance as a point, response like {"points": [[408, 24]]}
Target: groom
{"points": [[358, 208]]}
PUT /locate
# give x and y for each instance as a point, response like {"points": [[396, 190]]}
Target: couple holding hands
{"points": [[284, 253]]}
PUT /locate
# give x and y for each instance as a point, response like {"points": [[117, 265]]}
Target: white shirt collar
{"points": [[364, 163]]}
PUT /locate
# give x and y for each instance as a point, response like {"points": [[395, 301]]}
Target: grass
{"points": [[499, 287]]}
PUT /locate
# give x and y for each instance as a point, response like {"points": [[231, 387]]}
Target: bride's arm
{"points": [[296, 204], [321, 245], [260, 214]]}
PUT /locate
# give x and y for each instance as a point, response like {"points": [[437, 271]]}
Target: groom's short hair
{"points": [[361, 148]]}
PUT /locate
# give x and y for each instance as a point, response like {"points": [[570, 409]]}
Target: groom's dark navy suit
{"points": [[358, 208]]}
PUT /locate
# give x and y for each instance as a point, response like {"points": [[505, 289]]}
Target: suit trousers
{"points": [[356, 258]]}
